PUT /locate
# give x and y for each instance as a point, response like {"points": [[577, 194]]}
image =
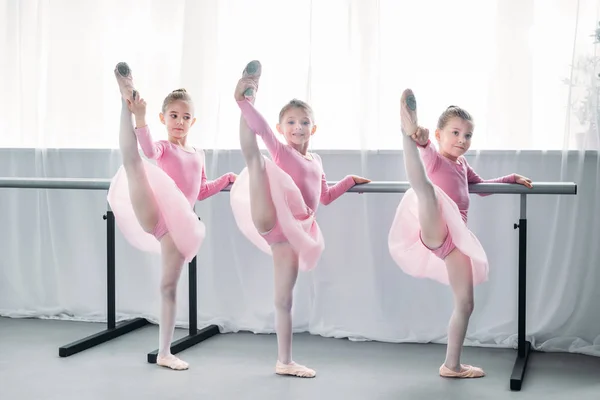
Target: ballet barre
{"points": [[196, 336], [114, 330], [479, 188], [55, 183], [539, 188]]}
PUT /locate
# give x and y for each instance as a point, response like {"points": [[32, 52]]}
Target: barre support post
{"points": [[524, 346], [113, 330], [111, 290]]}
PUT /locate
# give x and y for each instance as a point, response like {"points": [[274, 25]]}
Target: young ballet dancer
{"points": [[429, 237], [153, 204], [274, 202]]}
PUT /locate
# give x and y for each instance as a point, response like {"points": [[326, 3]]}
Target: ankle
{"points": [[452, 366], [284, 360], [164, 354]]}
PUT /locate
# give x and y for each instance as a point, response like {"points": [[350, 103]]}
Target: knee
{"points": [[465, 306], [283, 303], [168, 290]]}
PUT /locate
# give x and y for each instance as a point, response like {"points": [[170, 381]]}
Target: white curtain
{"points": [[506, 61], [526, 69]]}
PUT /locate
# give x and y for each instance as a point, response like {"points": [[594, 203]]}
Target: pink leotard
{"points": [[454, 177], [177, 181], [184, 167], [297, 184], [451, 184], [307, 174]]}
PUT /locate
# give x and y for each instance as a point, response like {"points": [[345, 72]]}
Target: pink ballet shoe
{"points": [[125, 81], [172, 362], [253, 71], [467, 371], [294, 369], [408, 112]]}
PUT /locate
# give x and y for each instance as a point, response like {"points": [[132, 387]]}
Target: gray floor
{"points": [[240, 366]]}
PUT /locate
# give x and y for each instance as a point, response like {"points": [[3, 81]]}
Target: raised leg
{"points": [[433, 228], [261, 204], [141, 194]]}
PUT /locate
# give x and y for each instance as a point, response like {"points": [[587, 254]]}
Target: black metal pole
{"points": [[193, 296], [524, 347], [111, 313], [522, 284]]}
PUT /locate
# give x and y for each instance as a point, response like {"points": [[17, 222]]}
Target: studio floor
{"points": [[241, 366]]}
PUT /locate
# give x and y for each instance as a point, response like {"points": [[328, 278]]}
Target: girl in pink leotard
{"points": [[274, 202], [429, 237], [153, 204]]}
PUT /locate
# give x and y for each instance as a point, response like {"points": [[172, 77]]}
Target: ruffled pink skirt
{"points": [[296, 220], [411, 255], [182, 223]]}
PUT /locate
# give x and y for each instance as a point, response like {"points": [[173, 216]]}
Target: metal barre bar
{"points": [[480, 188], [55, 183], [372, 187], [538, 188]]}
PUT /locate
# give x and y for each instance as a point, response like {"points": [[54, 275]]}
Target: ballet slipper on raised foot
{"points": [[125, 81], [172, 362], [466, 371], [252, 71], [294, 369], [408, 113]]}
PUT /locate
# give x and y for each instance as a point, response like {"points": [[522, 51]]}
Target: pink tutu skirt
{"points": [[182, 223], [414, 258], [296, 220]]}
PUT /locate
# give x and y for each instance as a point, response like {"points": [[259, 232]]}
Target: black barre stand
{"points": [[524, 346], [194, 336], [113, 330]]}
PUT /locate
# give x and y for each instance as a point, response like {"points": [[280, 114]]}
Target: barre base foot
{"points": [[101, 337], [518, 372], [188, 341]]}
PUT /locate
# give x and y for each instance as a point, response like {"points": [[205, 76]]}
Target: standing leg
{"points": [[141, 194], [286, 272], [461, 281], [172, 264], [433, 227], [261, 204]]}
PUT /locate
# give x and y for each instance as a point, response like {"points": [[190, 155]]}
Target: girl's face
{"points": [[296, 126], [178, 118], [455, 138]]}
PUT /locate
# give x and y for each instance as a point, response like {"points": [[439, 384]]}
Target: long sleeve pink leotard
{"points": [[307, 174], [184, 167], [454, 177]]}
